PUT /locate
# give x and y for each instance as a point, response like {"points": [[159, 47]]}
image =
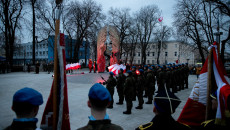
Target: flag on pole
{"points": [[115, 68], [62, 95], [193, 113], [160, 19]]}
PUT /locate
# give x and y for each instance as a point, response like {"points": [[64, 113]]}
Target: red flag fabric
{"points": [[193, 112], [160, 19], [63, 109], [115, 68]]}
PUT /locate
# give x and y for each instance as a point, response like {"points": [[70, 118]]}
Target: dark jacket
{"points": [[111, 83], [101, 125], [18, 125], [163, 122]]}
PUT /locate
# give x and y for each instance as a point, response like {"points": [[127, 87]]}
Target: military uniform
{"points": [[162, 122], [23, 125], [101, 125], [110, 84], [120, 87], [135, 84], [150, 83], [173, 81], [186, 71], [161, 80], [140, 89], [168, 79], [210, 125], [128, 93]]}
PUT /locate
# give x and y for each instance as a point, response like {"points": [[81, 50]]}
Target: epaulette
{"points": [[205, 123], [145, 126], [184, 124]]}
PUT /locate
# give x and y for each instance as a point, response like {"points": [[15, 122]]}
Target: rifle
{"points": [[103, 82]]}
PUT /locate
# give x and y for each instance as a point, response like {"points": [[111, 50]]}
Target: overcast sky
{"points": [[166, 6]]}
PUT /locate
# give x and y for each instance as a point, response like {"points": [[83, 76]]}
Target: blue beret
{"points": [[134, 67], [121, 69], [99, 92], [111, 73], [28, 95], [150, 68], [141, 70], [129, 71], [145, 65]]}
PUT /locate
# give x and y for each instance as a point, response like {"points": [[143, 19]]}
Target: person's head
{"points": [[165, 102], [129, 72], [121, 71], [111, 74], [134, 68], [141, 71], [150, 69], [26, 102], [99, 97]]}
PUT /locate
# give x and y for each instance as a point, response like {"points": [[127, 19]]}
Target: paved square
{"points": [[78, 87]]}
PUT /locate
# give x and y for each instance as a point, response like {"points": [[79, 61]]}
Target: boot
{"points": [[119, 103], [127, 112], [110, 107], [139, 107]]}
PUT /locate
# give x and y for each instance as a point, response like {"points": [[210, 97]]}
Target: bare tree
{"points": [[121, 19], [81, 17], [162, 35], [10, 15], [146, 21]]}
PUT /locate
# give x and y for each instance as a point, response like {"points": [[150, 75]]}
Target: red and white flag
{"points": [[193, 113], [62, 100], [115, 68], [160, 19]]}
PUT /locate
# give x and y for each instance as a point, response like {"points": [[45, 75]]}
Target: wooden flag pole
{"points": [[209, 85], [56, 71]]}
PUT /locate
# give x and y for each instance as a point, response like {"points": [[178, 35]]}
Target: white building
{"points": [[171, 52], [23, 53]]}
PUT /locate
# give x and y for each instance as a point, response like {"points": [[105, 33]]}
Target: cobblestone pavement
{"points": [[78, 87]]}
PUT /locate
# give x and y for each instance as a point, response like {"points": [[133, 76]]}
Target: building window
{"points": [[153, 53], [152, 61], [134, 54], [147, 61], [134, 61], [175, 54], [148, 54], [124, 53], [175, 45], [139, 61], [40, 53], [139, 54], [153, 46], [166, 53]]}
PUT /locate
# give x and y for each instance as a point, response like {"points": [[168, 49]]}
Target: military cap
{"points": [[150, 68], [166, 102], [145, 65], [28, 95], [99, 92], [141, 70], [121, 69], [134, 67], [111, 73], [129, 71]]}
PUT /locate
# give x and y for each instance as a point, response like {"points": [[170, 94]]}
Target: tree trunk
{"points": [[33, 11], [158, 52]]}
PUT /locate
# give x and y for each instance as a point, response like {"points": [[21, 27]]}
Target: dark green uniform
{"points": [[150, 83], [120, 87], [135, 84], [110, 84], [168, 79], [140, 90], [101, 125], [128, 92], [173, 81], [161, 80], [186, 71], [210, 125], [181, 75]]}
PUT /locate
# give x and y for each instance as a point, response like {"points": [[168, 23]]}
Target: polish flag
{"points": [[115, 68], [193, 113]]}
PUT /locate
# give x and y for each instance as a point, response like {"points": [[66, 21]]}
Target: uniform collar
{"points": [[93, 119], [26, 119]]}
